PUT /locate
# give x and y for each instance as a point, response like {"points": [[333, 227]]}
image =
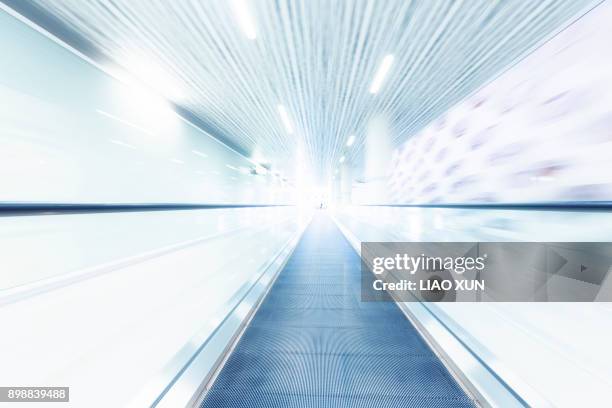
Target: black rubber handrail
{"points": [[538, 206], [16, 209]]}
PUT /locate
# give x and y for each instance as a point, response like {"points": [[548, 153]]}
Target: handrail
{"points": [[11, 209], [446, 327], [536, 206], [274, 266], [26, 290]]}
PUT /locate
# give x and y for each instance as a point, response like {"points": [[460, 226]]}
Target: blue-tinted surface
{"points": [[314, 344]]}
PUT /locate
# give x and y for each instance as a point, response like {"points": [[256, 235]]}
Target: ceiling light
{"points": [[350, 141], [382, 72], [285, 118], [246, 22], [342, 159]]}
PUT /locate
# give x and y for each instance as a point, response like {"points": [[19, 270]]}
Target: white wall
{"points": [[71, 133]]}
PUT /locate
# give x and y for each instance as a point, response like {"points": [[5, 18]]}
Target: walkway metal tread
{"points": [[313, 343], [224, 399]]}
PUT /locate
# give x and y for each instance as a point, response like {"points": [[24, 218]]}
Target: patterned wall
{"points": [[540, 132]]}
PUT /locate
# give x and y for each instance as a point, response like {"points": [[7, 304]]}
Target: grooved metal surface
{"points": [[313, 343]]}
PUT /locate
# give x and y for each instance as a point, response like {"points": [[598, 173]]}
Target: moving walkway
{"points": [[313, 343]]}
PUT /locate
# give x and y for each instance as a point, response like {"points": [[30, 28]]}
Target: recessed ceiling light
{"points": [[342, 159], [285, 118], [382, 72], [244, 18], [350, 141]]}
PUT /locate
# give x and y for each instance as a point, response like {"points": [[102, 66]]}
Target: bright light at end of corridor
{"points": [[244, 18], [382, 72]]}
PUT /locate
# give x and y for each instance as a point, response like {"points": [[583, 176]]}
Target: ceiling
{"points": [[317, 58]]}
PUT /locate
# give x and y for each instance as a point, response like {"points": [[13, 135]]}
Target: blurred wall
{"points": [[71, 133], [542, 131], [546, 352]]}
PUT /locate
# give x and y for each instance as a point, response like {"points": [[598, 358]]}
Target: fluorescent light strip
{"points": [[383, 70], [244, 18], [285, 118]]}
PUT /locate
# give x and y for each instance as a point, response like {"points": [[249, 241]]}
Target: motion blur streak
{"points": [[160, 161], [317, 58]]}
